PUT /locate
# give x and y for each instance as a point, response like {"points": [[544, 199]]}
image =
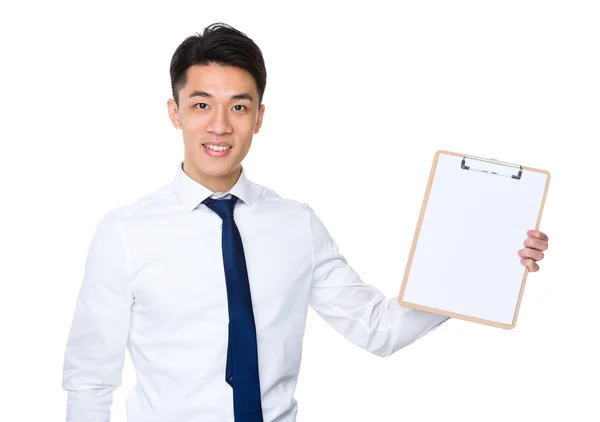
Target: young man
{"points": [[208, 279]]}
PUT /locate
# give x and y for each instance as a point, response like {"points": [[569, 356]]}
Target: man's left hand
{"points": [[535, 243]]}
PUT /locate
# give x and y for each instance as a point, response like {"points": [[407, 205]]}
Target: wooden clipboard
{"points": [[463, 262]]}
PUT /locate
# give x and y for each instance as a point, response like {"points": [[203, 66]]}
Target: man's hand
{"points": [[535, 243]]}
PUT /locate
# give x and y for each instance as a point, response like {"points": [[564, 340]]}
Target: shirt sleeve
{"points": [[95, 350], [359, 311]]}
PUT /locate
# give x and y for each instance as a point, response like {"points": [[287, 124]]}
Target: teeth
{"points": [[217, 148]]}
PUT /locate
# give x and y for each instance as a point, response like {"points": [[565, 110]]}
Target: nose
{"points": [[219, 122]]}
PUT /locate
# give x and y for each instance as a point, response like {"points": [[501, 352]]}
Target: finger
{"points": [[530, 264], [531, 253], [533, 243], [538, 235]]}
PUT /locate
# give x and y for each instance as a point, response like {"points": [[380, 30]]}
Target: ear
{"points": [[173, 113], [259, 118]]}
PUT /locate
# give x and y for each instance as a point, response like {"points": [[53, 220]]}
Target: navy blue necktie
{"points": [[242, 357]]}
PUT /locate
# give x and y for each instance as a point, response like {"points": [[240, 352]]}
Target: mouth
{"points": [[217, 150]]}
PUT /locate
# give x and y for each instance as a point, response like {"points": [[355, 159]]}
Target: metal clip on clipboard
{"points": [[490, 165]]}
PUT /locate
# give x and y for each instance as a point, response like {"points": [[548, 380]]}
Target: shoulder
{"points": [[269, 198], [152, 202]]}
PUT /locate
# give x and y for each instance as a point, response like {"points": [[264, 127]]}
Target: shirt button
{"points": [[230, 378]]}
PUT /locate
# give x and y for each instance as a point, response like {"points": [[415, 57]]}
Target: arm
{"points": [[95, 351], [358, 311]]}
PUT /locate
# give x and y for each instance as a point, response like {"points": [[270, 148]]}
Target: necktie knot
{"points": [[222, 207]]}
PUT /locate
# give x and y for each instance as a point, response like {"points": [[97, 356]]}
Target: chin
{"points": [[215, 169]]}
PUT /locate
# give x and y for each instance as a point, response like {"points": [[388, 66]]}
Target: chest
{"points": [[179, 272]]}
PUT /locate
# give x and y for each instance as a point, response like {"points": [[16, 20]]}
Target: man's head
{"points": [[218, 80]]}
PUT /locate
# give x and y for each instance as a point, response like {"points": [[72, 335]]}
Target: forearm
{"points": [[88, 405], [397, 327], [372, 321]]}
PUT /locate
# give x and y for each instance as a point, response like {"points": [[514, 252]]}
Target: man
{"points": [[207, 280]]}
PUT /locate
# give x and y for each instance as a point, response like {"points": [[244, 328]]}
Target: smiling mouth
{"points": [[217, 151], [217, 147]]}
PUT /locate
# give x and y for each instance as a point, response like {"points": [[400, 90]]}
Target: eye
{"points": [[239, 105], [202, 104]]}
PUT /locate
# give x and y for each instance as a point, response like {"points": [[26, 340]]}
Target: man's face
{"points": [[218, 104]]}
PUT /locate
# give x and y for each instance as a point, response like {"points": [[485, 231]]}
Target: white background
{"points": [[358, 99]]}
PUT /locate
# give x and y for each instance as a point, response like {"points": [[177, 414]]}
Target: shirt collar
{"points": [[193, 193]]}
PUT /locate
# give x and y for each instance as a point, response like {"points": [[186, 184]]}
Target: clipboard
{"points": [[474, 219]]}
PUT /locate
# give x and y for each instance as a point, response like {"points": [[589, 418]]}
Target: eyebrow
{"points": [[240, 96]]}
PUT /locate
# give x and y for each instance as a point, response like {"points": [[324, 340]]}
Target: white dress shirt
{"points": [[154, 284]]}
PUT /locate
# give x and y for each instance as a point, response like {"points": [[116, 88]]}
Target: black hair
{"points": [[219, 44]]}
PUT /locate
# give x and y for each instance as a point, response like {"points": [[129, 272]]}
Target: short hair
{"points": [[219, 44]]}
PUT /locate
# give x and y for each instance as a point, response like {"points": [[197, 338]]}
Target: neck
{"points": [[214, 183]]}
